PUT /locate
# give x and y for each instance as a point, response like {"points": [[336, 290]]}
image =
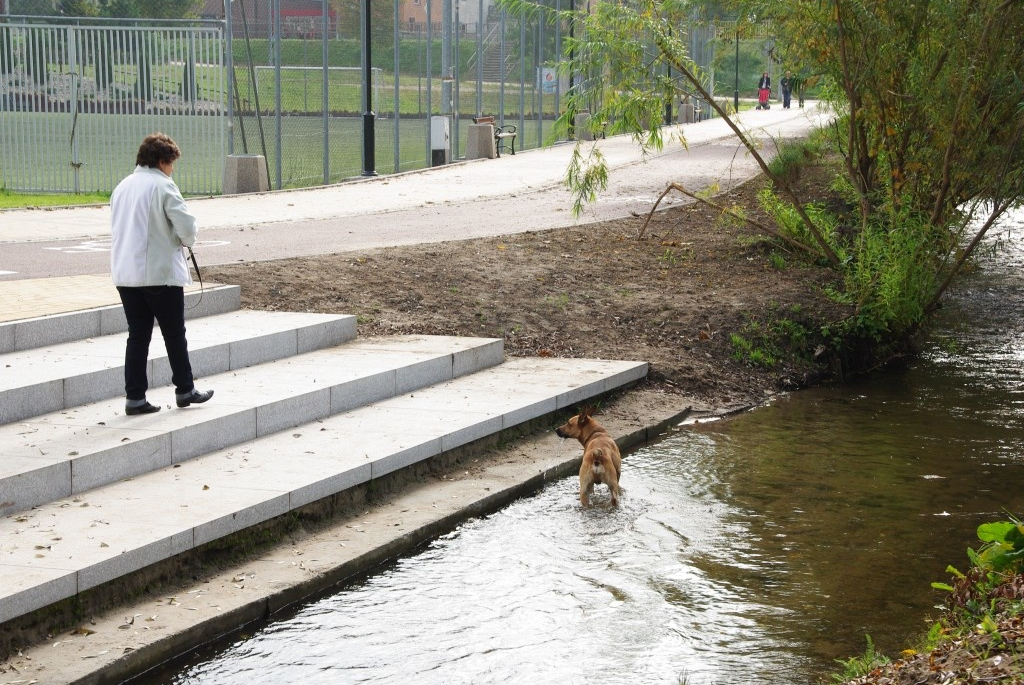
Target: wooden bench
{"points": [[504, 136]]}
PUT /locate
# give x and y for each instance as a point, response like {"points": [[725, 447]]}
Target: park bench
{"points": [[504, 136]]}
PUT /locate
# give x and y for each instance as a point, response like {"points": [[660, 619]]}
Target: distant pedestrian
{"points": [[764, 92], [150, 226], [787, 89]]}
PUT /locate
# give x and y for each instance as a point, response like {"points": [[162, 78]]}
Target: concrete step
{"points": [[79, 322], [52, 552], [49, 378], [65, 453]]}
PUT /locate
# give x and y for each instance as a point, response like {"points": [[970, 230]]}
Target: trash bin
{"points": [[581, 125], [440, 140]]}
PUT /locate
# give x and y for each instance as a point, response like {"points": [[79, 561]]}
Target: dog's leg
{"points": [[586, 488], [613, 487]]}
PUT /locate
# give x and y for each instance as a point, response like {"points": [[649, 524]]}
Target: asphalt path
{"points": [[456, 202]]}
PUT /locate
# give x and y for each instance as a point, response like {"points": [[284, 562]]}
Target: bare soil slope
{"points": [[674, 298]]}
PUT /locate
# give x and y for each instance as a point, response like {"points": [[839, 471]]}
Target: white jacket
{"points": [[149, 224]]}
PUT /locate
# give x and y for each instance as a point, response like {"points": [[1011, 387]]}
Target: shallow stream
{"points": [[754, 550]]}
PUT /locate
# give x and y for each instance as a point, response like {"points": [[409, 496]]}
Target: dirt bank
{"points": [[674, 299]]}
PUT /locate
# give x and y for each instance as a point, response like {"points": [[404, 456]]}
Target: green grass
{"points": [[112, 147], [9, 200], [302, 145], [302, 91]]}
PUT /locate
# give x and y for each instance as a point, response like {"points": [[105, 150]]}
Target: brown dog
{"points": [[602, 462]]}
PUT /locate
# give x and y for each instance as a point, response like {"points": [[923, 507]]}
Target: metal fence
{"points": [[76, 100], [279, 78], [453, 58], [425, 58]]}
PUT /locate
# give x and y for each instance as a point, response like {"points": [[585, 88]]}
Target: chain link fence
{"points": [[280, 78], [77, 98], [426, 58]]}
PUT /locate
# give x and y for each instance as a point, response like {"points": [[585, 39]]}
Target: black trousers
{"points": [[165, 304]]}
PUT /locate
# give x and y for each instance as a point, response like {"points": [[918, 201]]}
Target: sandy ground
{"points": [[674, 298]]}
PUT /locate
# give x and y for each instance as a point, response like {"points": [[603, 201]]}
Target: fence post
{"points": [[325, 99], [76, 162], [229, 59], [369, 139]]}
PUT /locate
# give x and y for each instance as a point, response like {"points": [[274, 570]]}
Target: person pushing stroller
{"points": [[764, 91]]}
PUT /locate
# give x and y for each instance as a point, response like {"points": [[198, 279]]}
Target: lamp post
{"points": [[369, 142], [736, 92]]}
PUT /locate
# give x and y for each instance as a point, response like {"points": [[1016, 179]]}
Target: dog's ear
{"points": [[585, 413]]}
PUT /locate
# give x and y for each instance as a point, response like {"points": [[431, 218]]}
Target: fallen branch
{"points": [[725, 210], [670, 56]]}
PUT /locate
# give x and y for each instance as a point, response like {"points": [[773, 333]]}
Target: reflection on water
{"points": [[755, 550]]}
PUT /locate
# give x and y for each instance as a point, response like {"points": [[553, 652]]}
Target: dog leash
{"points": [[195, 265]]}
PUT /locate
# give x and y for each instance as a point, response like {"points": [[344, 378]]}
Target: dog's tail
{"points": [[601, 460]]}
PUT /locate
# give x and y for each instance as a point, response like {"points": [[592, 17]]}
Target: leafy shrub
{"points": [[993, 581]]}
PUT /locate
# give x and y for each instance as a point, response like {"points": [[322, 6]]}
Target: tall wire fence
{"points": [[76, 100], [425, 59], [280, 78]]}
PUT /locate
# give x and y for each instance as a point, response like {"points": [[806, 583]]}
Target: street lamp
{"points": [[369, 143]]}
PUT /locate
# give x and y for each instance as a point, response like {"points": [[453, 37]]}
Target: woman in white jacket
{"points": [[150, 224]]}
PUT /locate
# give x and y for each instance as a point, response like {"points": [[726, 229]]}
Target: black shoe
{"points": [[146, 408], [194, 397]]}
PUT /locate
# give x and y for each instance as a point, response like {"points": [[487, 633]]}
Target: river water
{"points": [[755, 550]]}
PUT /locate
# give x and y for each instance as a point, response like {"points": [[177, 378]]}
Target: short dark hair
{"points": [[157, 148]]}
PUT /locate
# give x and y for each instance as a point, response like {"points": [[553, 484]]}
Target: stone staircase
{"points": [[496, 67], [304, 410]]}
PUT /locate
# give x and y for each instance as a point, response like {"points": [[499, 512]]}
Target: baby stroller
{"points": [[762, 98]]}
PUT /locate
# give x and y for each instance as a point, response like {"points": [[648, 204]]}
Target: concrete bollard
{"points": [[686, 114], [480, 142], [245, 174], [581, 123]]}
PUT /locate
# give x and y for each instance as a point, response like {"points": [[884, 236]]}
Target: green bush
{"points": [[975, 597], [765, 344], [858, 666]]}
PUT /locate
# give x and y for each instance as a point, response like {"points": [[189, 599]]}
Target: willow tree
{"points": [[932, 97], [626, 60], [929, 96]]}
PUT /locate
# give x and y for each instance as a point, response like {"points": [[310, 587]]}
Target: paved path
{"points": [[459, 201]]}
